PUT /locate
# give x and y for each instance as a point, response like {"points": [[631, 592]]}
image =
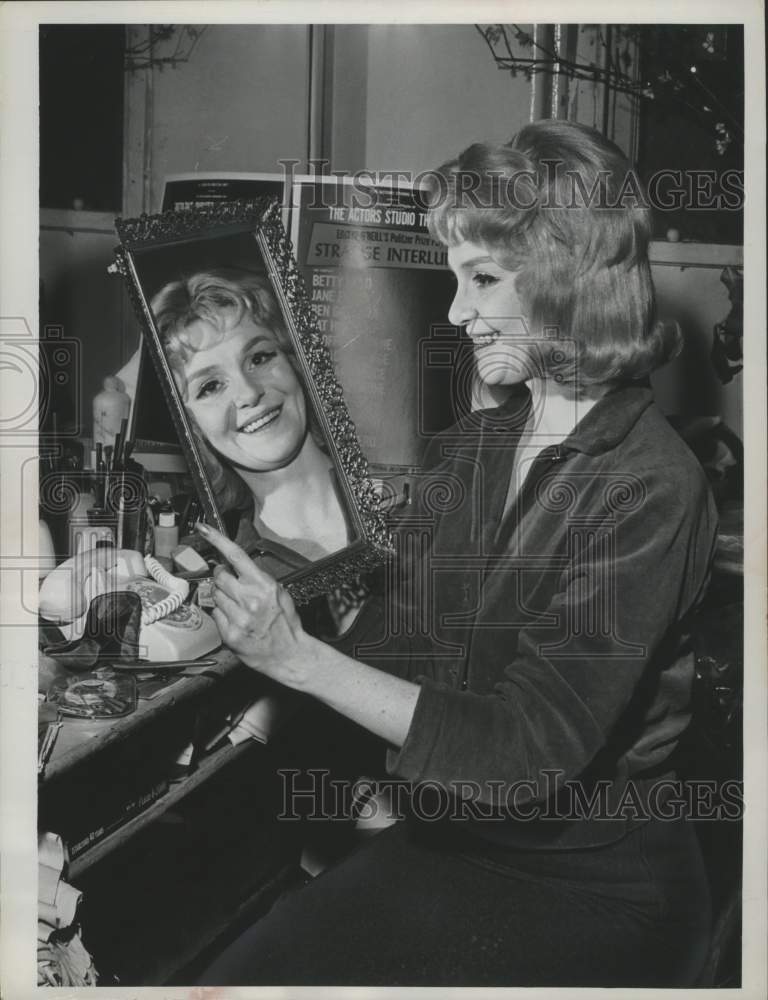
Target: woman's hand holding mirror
{"points": [[256, 616]]}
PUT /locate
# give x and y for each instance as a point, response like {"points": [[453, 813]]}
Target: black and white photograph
{"points": [[383, 499]]}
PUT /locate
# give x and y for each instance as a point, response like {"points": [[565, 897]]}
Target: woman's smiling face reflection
{"points": [[244, 394]]}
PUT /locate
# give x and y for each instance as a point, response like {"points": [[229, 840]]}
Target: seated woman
{"points": [[236, 371], [566, 541]]}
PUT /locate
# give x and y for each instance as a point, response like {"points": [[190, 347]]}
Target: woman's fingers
{"points": [[231, 607], [237, 558], [254, 614], [286, 605], [226, 582], [222, 622]]}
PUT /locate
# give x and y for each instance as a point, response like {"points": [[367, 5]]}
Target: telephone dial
{"points": [[170, 629]]}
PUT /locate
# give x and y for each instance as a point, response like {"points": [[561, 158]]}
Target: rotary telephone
{"points": [[170, 629]]}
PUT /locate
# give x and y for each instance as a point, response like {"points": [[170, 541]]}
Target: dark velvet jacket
{"points": [[550, 637]]}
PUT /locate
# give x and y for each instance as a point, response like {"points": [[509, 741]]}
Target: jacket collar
{"points": [[610, 420], [603, 428]]}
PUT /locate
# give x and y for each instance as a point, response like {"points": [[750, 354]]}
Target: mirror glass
{"points": [[249, 386]]}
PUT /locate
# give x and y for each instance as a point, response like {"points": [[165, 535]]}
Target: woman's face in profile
{"points": [[488, 307], [244, 395]]}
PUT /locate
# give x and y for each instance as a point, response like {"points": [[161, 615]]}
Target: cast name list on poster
{"points": [[325, 292]]}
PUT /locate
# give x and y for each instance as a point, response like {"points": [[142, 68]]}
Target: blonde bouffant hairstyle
{"points": [[560, 205]]}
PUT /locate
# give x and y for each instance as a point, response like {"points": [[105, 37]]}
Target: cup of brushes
{"points": [[120, 492]]}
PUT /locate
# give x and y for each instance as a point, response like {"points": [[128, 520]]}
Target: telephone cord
{"points": [[179, 591]]}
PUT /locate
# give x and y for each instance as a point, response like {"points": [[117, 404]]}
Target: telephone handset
{"points": [[170, 629]]}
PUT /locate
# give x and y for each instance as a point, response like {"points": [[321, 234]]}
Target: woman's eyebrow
{"points": [[203, 372], [477, 260], [258, 339], [210, 369]]}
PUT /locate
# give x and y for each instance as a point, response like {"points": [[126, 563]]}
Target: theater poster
{"points": [[381, 290]]}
